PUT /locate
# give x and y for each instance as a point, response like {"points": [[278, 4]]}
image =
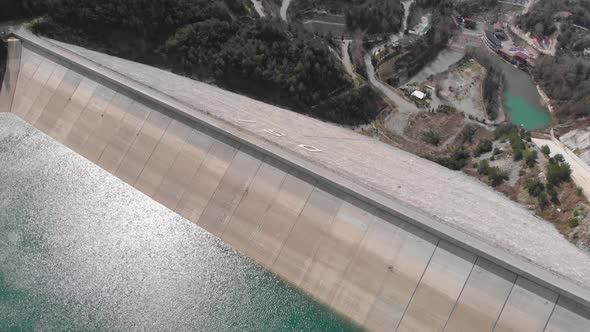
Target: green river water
{"points": [[521, 98], [82, 251], [522, 101], [522, 112]]}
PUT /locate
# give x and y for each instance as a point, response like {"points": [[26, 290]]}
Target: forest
{"points": [[369, 16], [566, 80], [218, 41], [414, 56], [541, 19], [375, 16], [566, 76]]}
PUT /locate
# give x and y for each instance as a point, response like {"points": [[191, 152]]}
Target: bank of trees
{"points": [[369, 16], [213, 40], [566, 80], [12, 9], [375, 16], [566, 77], [412, 58], [262, 58], [540, 19], [493, 85]]}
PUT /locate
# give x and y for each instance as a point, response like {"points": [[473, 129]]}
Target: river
{"points": [[82, 251], [521, 98]]}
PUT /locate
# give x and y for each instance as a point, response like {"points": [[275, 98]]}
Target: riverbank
{"points": [[523, 102], [546, 98]]}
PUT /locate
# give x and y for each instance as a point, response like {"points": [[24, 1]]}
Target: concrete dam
{"points": [[389, 240]]}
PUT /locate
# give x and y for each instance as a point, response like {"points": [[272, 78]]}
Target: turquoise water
{"points": [[523, 113], [82, 251], [522, 101]]}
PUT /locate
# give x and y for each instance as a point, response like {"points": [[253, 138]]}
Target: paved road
{"points": [[284, 6], [259, 8], [395, 122], [402, 104], [346, 61], [324, 22]]}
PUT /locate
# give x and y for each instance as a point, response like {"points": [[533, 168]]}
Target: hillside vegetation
{"points": [[221, 41], [412, 57], [369, 16], [540, 20], [566, 77]]}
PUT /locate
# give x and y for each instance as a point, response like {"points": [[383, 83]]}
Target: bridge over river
{"points": [[390, 240]]}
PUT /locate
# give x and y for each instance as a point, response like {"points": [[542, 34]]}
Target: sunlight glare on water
{"points": [[82, 251]]}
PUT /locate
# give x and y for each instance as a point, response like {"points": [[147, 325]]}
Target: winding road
{"points": [[403, 105], [259, 7], [346, 59], [284, 6]]}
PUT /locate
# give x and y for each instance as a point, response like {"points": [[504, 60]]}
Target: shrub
{"points": [[534, 187], [579, 191], [546, 151], [455, 161], [504, 131], [497, 151], [483, 167], [553, 194], [530, 158], [573, 222], [468, 133], [483, 147], [542, 200], [517, 155], [559, 158], [558, 172], [431, 137], [497, 176]]}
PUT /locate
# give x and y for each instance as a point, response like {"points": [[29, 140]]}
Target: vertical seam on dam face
{"points": [[11, 74], [365, 262]]}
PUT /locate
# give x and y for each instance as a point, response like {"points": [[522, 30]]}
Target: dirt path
{"points": [[346, 61]]}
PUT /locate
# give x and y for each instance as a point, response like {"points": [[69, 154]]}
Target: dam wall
{"points": [[8, 87], [367, 262]]}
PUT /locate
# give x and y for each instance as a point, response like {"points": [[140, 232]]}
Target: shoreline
{"points": [[544, 98]]}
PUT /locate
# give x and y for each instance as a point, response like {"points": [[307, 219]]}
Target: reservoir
{"points": [[81, 250]]}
